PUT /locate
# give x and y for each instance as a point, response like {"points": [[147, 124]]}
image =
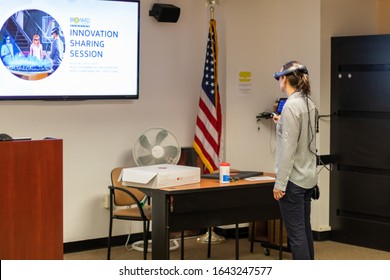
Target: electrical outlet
{"points": [[106, 201]]}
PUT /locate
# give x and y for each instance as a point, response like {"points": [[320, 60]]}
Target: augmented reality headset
{"points": [[301, 68]]}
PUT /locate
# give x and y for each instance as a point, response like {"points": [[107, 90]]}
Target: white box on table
{"points": [[160, 176]]}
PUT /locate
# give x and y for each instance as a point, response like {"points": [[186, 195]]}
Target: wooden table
{"points": [[205, 204]]}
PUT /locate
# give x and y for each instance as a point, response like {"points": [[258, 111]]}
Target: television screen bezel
{"points": [[80, 97]]}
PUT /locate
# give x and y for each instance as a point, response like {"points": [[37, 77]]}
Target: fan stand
{"points": [[139, 245]]}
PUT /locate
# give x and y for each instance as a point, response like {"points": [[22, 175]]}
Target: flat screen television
{"points": [[69, 49]]}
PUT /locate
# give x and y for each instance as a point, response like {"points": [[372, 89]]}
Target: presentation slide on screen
{"points": [[69, 47]]}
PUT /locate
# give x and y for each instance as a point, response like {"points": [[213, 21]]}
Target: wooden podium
{"points": [[31, 219]]}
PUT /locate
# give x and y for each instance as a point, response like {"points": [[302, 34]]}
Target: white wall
{"points": [[261, 37], [254, 35], [262, 46], [284, 30], [99, 135]]}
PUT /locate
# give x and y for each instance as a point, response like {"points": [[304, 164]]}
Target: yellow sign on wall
{"points": [[244, 82]]}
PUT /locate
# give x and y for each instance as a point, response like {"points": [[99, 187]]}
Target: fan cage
{"points": [[156, 145]]}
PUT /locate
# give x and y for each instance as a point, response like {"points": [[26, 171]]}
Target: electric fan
{"points": [[156, 145]]}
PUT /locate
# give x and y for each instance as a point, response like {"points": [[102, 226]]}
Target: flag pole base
{"points": [[215, 238]]}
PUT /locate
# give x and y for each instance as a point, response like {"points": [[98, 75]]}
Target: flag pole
{"points": [[215, 238]]}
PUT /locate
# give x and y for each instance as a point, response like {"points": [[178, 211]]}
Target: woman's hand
{"points": [[275, 117], [278, 194]]}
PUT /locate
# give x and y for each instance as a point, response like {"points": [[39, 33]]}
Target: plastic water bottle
{"points": [[224, 172]]}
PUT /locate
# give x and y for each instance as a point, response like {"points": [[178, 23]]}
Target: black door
{"points": [[360, 139]]}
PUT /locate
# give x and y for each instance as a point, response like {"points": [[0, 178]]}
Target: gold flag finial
{"points": [[211, 4]]}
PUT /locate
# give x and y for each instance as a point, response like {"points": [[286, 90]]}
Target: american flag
{"points": [[207, 142]]}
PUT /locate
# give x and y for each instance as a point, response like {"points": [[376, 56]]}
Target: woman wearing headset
{"points": [[295, 159]]}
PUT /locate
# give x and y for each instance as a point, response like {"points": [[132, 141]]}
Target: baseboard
{"points": [[243, 233], [321, 235], [231, 232], [93, 244]]}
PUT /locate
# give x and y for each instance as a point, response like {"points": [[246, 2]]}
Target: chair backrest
{"points": [[121, 198]]}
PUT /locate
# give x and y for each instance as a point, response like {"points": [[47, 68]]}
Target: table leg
{"points": [[160, 226]]}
